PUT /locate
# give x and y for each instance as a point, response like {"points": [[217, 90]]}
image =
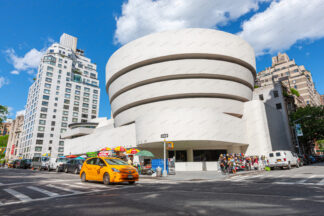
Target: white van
{"points": [[57, 164], [282, 159]]}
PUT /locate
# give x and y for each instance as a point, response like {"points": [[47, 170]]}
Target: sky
{"points": [[27, 28]]}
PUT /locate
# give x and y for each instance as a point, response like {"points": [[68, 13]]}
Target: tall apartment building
{"points": [[66, 90], [292, 76], [14, 149]]}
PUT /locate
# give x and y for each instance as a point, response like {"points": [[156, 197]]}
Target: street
{"points": [[299, 191]]}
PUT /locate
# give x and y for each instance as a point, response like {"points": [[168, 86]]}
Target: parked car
{"points": [[73, 165], [25, 163], [108, 170], [16, 163], [282, 159], [10, 164], [40, 163], [57, 164]]}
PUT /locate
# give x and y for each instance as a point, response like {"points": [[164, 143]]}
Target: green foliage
{"points": [[255, 86], [312, 126], [295, 92], [4, 140], [3, 113]]}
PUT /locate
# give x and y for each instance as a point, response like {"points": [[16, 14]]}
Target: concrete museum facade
{"points": [[196, 85]]}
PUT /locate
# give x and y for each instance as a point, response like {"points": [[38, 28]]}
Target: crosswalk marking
{"points": [[62, 188], [321, 182], [91, 185], [304, 180], [18, 195], [49, 193]]}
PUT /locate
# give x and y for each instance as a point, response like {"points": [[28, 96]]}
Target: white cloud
{"points": [[29, 61], [283, 24], [20, 112], [3, 81], [15, 72], [141, 17]]}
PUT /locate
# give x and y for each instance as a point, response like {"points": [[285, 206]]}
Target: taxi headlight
{"points": [[115, 170]]}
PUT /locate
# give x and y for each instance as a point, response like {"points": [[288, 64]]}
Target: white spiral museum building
{"points": [[196, 85]]}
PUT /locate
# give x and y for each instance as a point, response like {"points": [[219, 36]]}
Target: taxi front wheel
{"points": [[106, 179], [83, 177]]}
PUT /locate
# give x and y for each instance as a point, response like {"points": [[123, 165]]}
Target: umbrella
{"points": [[105, 149], [145, 153], [132, 151], [120, 149]]}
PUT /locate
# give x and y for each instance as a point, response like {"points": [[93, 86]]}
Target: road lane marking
{"points": [[321, 182], [18, 195], [49, 193], [61, 188], [37, 182], [304, 180]]}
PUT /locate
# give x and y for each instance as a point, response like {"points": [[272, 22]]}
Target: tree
{"points": [[3, 113], [312, 124]]}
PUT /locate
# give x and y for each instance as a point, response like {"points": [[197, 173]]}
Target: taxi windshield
{"points": [[115, 162]]}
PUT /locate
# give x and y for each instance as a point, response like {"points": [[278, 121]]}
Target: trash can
{"points": [[158, 172]]}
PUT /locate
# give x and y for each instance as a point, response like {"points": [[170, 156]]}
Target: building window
{"points": [[275, 94], [86, 89], [66, 107], [53, 123], [46, 91], [76, 103], [261, 97], [43, 109], [38, 149], [51, 135], [85, 99], [41, 135], [85, 105], [61, 149], [84, 116], [64, 124], [48, 79], [85, 110], [50, 68], [94, 106], [278, 106], [95, 91], [46, 97], [52, 129], [94, 112], [86, 94], [93, 117], [75, 108], [49, 74], [66, 101], [42, 115], [94, 101], [42, 122], [50, 142], [74, 120], [44, 103], [68, 85], [78, 87], [77, 97], [54, 116], [47, 85], [67, 90], [63, 130], [77, 92], [95, 96], [75, 114], [61, 143], [64, 118], [41, 128], [67, 95], [65, 112], [38, 141]]}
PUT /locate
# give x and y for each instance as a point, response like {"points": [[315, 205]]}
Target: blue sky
{"points": [[103, 26]]}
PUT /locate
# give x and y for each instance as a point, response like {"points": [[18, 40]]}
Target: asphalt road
{"points": [[280, 192]]}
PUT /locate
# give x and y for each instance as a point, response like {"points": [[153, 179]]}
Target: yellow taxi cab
{"points": [[108, 170]]}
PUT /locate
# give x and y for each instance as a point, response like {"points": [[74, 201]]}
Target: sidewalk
{"points": [[195, 176]]}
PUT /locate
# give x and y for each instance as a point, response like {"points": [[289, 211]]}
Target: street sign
{"points": [[299, 131], [163, 136], [170, 145]]}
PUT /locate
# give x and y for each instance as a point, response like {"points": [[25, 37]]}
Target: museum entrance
{"points": [[207, 155]]}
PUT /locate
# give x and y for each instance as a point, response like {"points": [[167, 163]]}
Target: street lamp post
{"points": [[296, 136], [165, 173]]}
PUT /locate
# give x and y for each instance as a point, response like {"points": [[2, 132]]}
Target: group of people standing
{"points": [[231, 163]]}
